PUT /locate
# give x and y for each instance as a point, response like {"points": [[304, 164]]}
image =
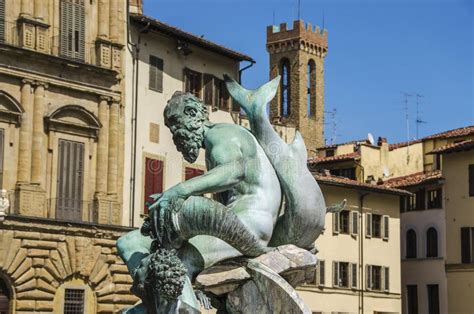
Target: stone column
{"points": [[113, 147], [37, 168], [26, 8], [24, 157], [39, 7], [102, 146], [103, 18], [113, 20]]}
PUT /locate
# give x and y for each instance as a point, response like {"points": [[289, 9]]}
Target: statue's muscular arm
{"points": [[228, 169]]}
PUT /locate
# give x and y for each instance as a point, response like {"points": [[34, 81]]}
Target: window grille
{"points": [[74, 301]]}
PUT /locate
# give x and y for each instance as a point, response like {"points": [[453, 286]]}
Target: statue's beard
{"points": [[188, 141]]}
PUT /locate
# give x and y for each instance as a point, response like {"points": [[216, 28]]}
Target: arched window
{"points": [[311, 85], [431, 242], [285, 87], [5, 297], [411, 244]]}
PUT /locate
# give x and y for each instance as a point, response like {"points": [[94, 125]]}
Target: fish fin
{"points": [[252, 100], [298, 147]]}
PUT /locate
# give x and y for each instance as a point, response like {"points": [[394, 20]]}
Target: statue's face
{"points": [[185, 116]]}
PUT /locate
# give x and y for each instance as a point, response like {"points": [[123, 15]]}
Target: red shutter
{"points": [[192, 172], [153, 179]]}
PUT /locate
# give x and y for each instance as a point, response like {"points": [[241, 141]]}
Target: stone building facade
{"points": [[61, 136], [297, 55]]}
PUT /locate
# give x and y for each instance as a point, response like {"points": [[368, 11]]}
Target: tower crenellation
{"points": [[297, 53]]}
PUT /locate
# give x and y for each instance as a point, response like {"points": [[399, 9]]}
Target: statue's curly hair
{"points": [[166, 274], [188, 99]]}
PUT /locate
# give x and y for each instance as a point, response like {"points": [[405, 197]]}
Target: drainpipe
{"points": [[361, 252], [136, 63]]}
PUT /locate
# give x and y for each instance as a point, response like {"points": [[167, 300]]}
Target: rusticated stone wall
{"points": [[39, 256]]}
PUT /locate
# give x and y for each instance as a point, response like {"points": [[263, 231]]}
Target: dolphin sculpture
{"points": [[302, 220]]}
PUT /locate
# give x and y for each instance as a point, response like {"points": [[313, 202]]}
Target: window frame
{"points": [[434, 198], [285, 88], [433, 304]]}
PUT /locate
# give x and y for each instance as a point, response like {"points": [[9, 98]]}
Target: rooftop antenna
{"points": [[332, 115], [324, 23], [273, 17], [418, 118], [299, 9], [407, 118]]}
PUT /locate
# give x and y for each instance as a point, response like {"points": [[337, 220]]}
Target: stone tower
{"points": [[298, 54]]}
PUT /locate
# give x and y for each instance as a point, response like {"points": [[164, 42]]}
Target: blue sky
{"points": [[377, 51]]}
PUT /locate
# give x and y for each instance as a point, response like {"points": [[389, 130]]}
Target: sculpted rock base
{"points": [[260, 285]]}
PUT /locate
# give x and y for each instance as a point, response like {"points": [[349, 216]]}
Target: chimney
{"points": [[381, 140], [136, 6]]}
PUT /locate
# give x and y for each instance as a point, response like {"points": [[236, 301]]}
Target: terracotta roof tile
{"points": [[345, 182], [413, 179], [402, 144], [455, 147], [343, 157], [467, 130], [191, 38]]}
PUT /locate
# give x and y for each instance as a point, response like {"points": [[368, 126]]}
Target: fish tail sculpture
{"points": [[304, 213]]}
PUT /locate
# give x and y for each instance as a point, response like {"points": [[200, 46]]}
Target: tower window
{"points": [[311, 85], [285, 88]]}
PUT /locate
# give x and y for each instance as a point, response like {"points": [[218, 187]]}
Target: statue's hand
{"points": [[172, 197]]}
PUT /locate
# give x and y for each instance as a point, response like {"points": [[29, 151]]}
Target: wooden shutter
{"points": [[466, 245], [368, 225], [153, 179], [2, 153], [70, 180], [354, 223], [72, 31], [471, 180], [354, 276], [156, 74], [368, 275], [2, 21], [321, 273], [386, 278], [336, 217], [386, 227], [335, 274], [208, 90]]}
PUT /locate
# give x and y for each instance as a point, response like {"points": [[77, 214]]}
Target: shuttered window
{"points": [[354, 276], [2, 152], [2, 21], [156, 74], [72, 33], [154, 169], [386, 226], [208, 89], [467, 245], [433, 299], [471, 180], [193, 82], [354, 223], [321, 271], [341, 274], [412, 299], [70, 180], [335, 223]]}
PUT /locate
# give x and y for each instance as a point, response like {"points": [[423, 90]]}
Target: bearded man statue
{"points": [[249, 180]]}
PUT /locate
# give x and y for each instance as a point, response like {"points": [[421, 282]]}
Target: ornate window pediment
{"points": [[74, 119], [10, 109]]}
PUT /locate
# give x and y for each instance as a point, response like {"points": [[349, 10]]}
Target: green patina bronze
{"points": [[251, 172]]}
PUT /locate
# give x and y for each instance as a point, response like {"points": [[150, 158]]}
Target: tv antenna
{"points": [[418, 118], [299, 9], [333, 114], [407, 118]]}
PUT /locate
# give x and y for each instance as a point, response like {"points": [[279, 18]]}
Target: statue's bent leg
{"points": [[204, 216]]}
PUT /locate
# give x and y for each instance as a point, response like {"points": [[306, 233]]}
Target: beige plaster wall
{"points": [[360, 250], [150, 110]]}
